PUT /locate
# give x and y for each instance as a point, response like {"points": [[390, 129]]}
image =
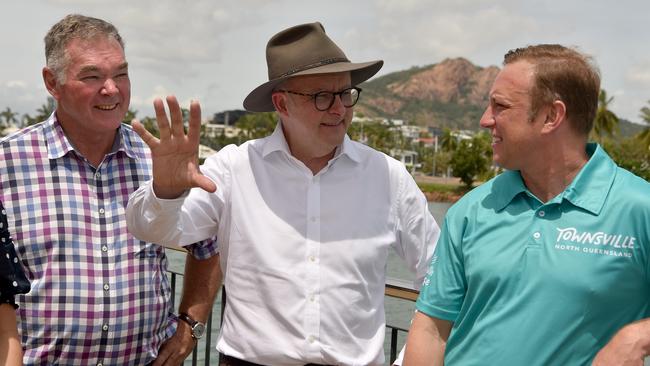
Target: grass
{"points": [[442, 192]]}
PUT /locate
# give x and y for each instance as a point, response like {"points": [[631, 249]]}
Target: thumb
{"points": [[204, 183], [147, 137]]}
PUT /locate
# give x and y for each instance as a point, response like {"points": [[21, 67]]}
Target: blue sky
{"points": [[213, 51]]}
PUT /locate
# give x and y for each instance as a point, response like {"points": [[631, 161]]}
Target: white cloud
{"points": [[17, 84], [421, 32], [214, 50], [639, 75]]}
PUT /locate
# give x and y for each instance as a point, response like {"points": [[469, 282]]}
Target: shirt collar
{"points": [[277, 142], [58, 143], [588, 190]]}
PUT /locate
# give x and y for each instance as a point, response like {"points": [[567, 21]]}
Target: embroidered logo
{"points": [[599, 242]]}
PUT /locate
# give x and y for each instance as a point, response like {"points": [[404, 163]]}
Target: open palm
{"points": [[175, 154]]}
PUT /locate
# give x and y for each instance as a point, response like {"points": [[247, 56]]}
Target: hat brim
{"points": [[259, 100]]}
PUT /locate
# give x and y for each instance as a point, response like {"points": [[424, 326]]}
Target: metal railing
{"points": [[395, 288]]}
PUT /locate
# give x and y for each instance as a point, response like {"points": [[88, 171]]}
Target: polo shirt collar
{"points": [[277, 142], [58, 143], [591, 186], [588, 190]]}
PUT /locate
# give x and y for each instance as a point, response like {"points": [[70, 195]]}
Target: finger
{"points": [[176, 116], [195, 123], [145, 135], [204, 183], [163, 355], [161, 118]]}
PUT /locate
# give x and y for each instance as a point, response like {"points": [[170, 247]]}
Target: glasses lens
{"points": [[349, 97], [323, 100]]}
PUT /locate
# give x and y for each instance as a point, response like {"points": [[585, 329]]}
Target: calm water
{"points": [[398, 312]]}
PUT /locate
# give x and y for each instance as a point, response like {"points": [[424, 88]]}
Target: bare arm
{"points": [[200, 286], [11, 352], [629, 346], [426, 341]]}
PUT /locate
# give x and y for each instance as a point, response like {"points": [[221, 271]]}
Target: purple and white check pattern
{"points": [[99, 296]]}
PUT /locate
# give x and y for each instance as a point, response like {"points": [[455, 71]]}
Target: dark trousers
{"points": [[231, 361]]}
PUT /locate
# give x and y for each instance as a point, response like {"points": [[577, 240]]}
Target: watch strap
{"points": [[187, 319]]}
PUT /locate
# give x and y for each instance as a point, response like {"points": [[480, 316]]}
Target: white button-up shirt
{"points": [[304, 256]]}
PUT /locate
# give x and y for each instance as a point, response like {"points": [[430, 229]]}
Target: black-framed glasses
{"points": [[324, 100]]}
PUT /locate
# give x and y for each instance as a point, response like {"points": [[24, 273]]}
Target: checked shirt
{"points": [[99, 296]]}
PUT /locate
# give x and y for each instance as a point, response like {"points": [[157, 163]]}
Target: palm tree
{"points": [[130, 115], [8, 117], [606, 122], [448, 140], [644, 136]]}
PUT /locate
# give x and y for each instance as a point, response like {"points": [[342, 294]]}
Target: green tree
{"points": [[130, 115], [606, 122], [42, 113], [256, 125], [644, 136], [448, 140], [151, 125], [630, 155], [426, 158], [8, 117], [471, 158]]}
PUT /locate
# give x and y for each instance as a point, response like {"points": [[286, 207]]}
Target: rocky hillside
{"points": [[452, 93]]}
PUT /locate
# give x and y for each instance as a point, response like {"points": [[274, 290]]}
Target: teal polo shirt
{"points": [[532, 283]]}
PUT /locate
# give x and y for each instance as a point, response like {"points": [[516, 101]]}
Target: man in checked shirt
{"points": [[99, 296]]}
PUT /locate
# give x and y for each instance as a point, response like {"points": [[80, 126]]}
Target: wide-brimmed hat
{"points": [[304, 50]]}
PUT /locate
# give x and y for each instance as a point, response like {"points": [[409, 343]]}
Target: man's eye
{"points": [[326, 96]]}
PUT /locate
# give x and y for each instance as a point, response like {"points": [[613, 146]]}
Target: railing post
{"points": [[393, 345]]}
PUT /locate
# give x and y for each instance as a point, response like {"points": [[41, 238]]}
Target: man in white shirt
{"points": [[304, 218]]}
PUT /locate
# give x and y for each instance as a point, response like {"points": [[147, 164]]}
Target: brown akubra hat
{"points": [[304, 50]]}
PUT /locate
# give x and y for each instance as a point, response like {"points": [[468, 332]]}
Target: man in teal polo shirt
{"points": [[548, 263]]}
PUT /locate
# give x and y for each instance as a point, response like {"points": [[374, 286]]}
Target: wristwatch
{"points": [[198, 328]]}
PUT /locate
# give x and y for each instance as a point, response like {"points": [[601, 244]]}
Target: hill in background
{"points": [[452, 93]]}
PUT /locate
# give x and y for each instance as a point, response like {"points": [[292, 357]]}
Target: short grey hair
{"points": [[74, 26]]}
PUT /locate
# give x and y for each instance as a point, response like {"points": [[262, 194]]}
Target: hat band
{"points": [[314, 65]]}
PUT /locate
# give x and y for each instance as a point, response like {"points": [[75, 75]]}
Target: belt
{"points": [[225, 360]]}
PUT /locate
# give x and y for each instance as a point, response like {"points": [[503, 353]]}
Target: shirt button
{"points": [[101, 211], [312, 258], [105, 327], [98, 175], [104, 248], [106, 287], [537, 235], [311, 339], [312, 298], [100, 364], [15, 284], [541, 213]]}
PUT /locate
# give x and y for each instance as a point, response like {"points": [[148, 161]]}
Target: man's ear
{"points": [[555, 116], [280, 103], [51, 82]]}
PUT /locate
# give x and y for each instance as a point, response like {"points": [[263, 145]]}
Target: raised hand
{"points": [[176, 154]]}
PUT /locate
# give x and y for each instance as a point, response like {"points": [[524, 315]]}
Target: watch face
{"points": [[198, 330]]}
